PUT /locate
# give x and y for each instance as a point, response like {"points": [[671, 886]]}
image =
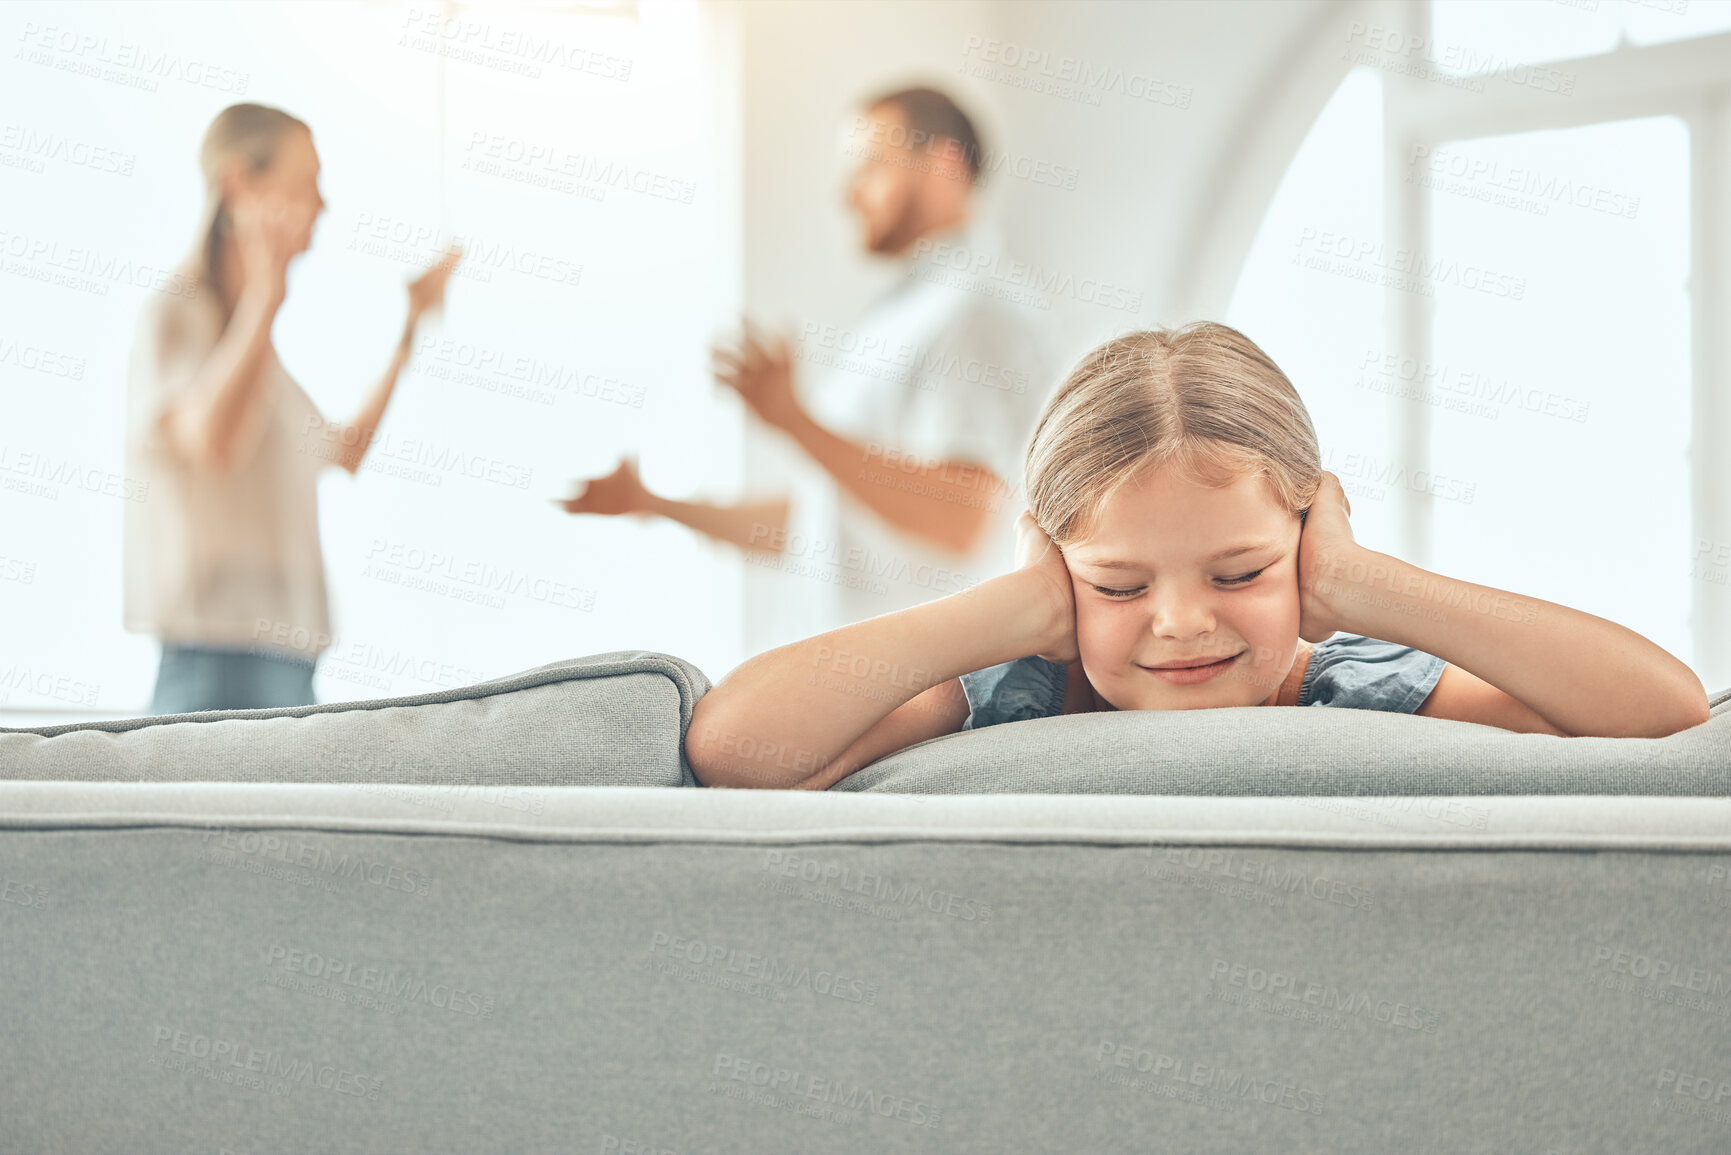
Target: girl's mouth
{"points": [[1192, 675]]}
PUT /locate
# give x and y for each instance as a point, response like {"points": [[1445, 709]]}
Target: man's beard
{"points": [[904, 230]]}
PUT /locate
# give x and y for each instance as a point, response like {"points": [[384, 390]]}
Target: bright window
{"points": [[1529, 347], [1561, 388], [1476, 37]]}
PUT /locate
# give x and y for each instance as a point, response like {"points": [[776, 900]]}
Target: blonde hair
{"points": [[1203, 399], [254, 132]]}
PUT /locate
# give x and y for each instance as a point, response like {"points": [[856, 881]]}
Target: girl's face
{"points": [[1203, 575]]}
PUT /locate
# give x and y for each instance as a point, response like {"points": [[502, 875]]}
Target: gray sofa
{"points": [[501, 918]]}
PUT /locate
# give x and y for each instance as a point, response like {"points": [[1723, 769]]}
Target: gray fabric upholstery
{"points": [[610, 719], [619, 719], [267, 968], [1283, 750]]}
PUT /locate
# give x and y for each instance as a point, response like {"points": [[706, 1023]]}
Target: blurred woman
{"points": [[222, 557]]}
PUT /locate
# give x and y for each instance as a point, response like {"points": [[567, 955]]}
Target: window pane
{"points": [[1473, 37], [1478, 37], [1656, 21], [1560, 382]]}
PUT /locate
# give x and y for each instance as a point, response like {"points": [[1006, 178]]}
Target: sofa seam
{"points": [[1296, 840]]}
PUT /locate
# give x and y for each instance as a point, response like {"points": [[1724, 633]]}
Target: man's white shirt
{"points": [[939, 371]]}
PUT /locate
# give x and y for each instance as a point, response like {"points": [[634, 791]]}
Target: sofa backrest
{"points": [[610, 719]]}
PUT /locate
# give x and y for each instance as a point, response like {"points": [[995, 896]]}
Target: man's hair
{"points": [[932, 116]]}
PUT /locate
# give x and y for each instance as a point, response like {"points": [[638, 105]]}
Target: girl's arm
{"points": [[1514, 661], [809, 713]]}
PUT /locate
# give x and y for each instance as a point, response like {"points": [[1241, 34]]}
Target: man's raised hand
{"points": [[619, 492], [760, 370]]}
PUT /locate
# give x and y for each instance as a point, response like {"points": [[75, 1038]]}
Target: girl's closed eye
{"points": [[1241, 579]]}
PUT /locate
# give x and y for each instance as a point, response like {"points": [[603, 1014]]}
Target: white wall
{"points": [[1151, 172]]}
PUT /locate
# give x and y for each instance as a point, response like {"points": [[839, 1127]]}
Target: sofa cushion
{"points": [[1285, 750], [610, 719]]}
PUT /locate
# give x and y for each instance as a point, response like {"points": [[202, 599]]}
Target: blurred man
{"points": [[924, 413]]}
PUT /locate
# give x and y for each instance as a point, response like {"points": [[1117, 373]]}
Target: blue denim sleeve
{"points": [[1367, 674], [1029, 687]]}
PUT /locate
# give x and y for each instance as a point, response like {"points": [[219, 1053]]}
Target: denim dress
{"points": [[1346, 670]]}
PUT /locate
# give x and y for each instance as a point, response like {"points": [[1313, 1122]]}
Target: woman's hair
{"points": [[1202, 398], [253, 132]]}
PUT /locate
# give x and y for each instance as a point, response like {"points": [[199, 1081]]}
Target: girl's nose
{"points": [[1177, 615]]}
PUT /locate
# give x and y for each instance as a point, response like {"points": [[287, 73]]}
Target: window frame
{"points": [[1689, 79]]}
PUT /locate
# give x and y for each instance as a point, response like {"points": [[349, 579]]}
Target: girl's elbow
{"points": [[1693, 713], [1692, 708], [707, 768], [705, 771], [699, 748], [710, 745], [1685, 715], [720, 772]]}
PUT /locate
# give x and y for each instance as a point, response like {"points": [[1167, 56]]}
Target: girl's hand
{"points": [[268, 230], [1039, 558], [1326, 552], [427, 291]]}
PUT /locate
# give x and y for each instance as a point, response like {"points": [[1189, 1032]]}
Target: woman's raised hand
{"points": [[427, 291], [269, 230], [1043, 562]]}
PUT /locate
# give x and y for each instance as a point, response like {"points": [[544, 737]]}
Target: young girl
{"points": [[1168, 561]]}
